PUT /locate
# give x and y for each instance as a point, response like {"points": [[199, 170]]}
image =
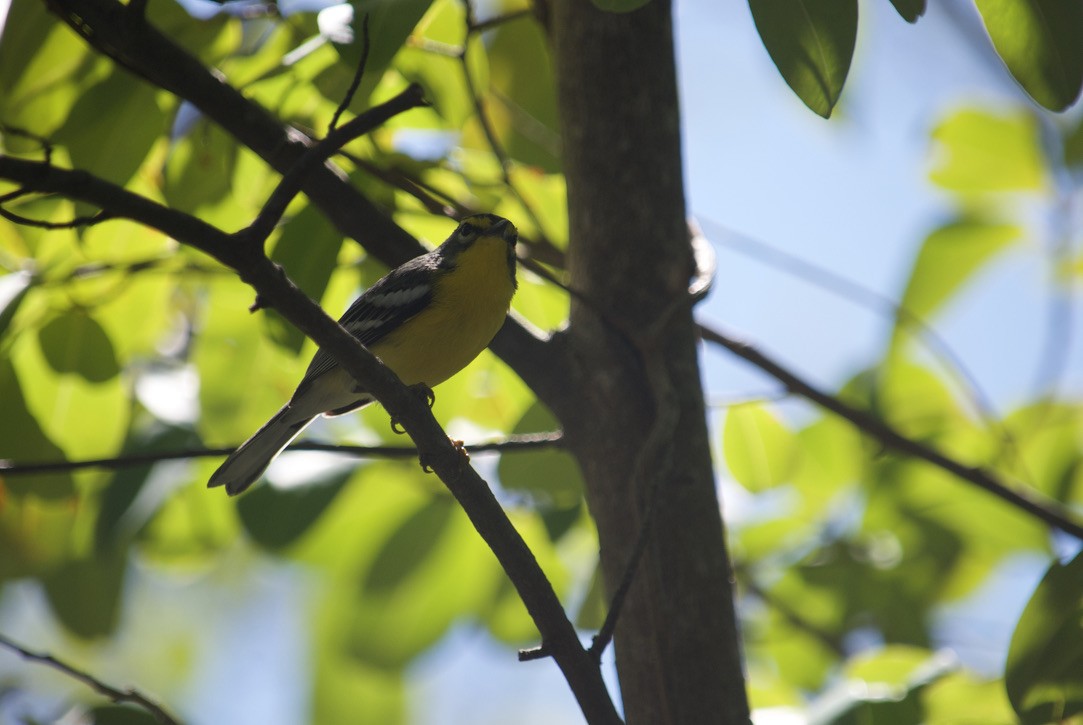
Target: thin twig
{"points": [[356, 76], [794, 616], [487, 127], [1048, 511], [847, 289], [129, 695], [18, 131], [74, 223], [482, 26], [291, 183], [511, 444]]}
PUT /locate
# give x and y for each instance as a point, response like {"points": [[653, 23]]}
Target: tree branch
{"points": [[435, 451], [1048, 511], [125, 36], [511, 444], [130, 695]]}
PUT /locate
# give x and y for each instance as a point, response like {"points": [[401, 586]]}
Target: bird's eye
{"points": [[468, 231]]}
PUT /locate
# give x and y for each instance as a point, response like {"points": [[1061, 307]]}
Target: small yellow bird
{"points": [[426, 320]]}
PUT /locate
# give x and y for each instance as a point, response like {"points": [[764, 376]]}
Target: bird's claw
{"points": [[458, 445], [421, 390]]}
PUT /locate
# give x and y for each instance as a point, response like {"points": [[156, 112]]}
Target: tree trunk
{"points": [[637, 416]]}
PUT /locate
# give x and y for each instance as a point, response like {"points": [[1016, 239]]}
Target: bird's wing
{"points": [[394, 299]]}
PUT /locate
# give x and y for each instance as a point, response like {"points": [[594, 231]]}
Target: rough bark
{"points": [[638, 419]]}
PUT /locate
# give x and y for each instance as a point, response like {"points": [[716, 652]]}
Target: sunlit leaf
{"points": [[522, 103], [244, 378], [811, 43], [949, 257], [882, 687], [915, 400], [506, 616], [123, 510], [962, 698], [23, 440], [41, 69], [979, 151], [1046, 652], [415, 540], [13, 289], [759, 449], [189, 526], [307, 250], [390, 23], [112, 127], [898, 667], [1047, 448], [275, 518], [592, 611], [1041, 42], [199, 169], [446, 576]]}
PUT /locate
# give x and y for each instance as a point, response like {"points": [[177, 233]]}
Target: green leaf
{"points": [[949, 257], [506, 617], [199, 169], [390, 24], [421, 582], [1041, 43], [13, 289], [85, 594], [910, 10], [898, 667], [961, 698], [41, 69], [74, 343], [760, 451], [308, 251], [275, 518], [123, 512], [882, 687], [411, 545], [521, 105], [23, 440], [619, 6], [811, 43], [592, 611], [981, 152], [1046, 652], [549, 475], [112, 127]]}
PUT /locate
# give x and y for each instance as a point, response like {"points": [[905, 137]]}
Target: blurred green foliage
{"points": [[98, 324]]}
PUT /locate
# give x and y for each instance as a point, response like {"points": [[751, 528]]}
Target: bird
{"points": [[426, 320]]}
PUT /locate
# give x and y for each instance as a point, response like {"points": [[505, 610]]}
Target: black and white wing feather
{"points": [[384, 307]]}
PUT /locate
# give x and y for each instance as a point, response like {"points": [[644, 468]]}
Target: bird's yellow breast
{"points": [[468, 307]]}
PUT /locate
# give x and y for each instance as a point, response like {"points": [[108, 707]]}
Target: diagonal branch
{"points": [[129, 695], [435, 450], [125, 36], [1048, 511]]}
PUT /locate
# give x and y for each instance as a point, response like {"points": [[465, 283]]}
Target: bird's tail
{"points": [[247, 463]]}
